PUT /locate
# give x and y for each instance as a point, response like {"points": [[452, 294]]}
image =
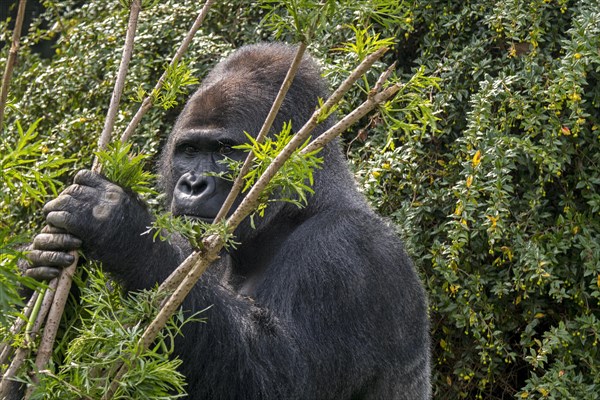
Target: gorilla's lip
{"points": [[197, 217]]}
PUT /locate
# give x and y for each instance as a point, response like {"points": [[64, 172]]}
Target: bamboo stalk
{"points": [[10, 61]]}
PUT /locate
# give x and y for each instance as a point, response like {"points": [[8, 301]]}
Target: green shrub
{"points": [[499, 205]]}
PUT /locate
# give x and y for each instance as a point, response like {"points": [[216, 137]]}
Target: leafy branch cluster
{"points": [[166, 225], [122, 167], [28, 168], [108, 332], [293, 181]]}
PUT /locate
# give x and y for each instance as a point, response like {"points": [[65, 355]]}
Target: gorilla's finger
{"points": [[43, 273], [50, 258], [60, 219], [52, 229], [56, 241], [60, 203], [81, 191], [88, 178]]}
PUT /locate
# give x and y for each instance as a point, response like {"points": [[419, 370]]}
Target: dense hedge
{"points": [[500, 205], [498, 202]]}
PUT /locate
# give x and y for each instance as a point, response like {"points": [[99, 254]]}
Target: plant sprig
{"points": [[293, 181], [126, 169]]}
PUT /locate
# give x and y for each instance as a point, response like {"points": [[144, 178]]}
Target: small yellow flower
{"points": [[493, 220], [469, 181], [476, 159]]}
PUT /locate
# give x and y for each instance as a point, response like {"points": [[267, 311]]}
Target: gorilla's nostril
{"points": [[194, 185], [185, 187], [198, 187]]}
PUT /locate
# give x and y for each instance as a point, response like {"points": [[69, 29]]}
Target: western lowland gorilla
{"points": [[319, 302]]}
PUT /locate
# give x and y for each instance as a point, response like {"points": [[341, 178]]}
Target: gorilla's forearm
{"points": [[146, 262]]}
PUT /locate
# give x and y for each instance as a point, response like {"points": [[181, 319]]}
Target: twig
{"points": [[177, 276], [23, 351], [10, 61], [238, 184], [149, 100], [5, 348], [351, 118], [111, 115], [59, 300]]}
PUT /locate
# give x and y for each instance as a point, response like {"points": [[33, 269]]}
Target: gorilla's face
{"points": [[233, 99], [196, 159]]}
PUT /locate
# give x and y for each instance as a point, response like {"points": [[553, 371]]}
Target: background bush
{"points": [[498, 201]]}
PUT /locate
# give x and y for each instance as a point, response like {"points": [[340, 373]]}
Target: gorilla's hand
{"points": [[99, 215]]}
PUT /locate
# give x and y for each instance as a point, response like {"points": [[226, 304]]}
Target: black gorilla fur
{"points": [[316, 303]]}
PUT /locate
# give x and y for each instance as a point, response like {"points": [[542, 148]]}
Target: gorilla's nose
{"points": [[195, 185]]}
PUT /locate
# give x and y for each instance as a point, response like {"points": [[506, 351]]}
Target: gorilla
{"points": [[319, 302]]}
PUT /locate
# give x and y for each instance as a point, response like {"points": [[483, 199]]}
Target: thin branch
{"points": [[238, 184], [6, 348], [136, 6], [250, 200], [10, 61], [23, 351], [149, 100], [177, 276], [359, 112], [383, 78], [53, 320]]}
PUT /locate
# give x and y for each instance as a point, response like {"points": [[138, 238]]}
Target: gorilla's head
{"points": [[234, 98]]}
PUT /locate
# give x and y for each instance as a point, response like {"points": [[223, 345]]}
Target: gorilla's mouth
{"points": [[203, 218]]}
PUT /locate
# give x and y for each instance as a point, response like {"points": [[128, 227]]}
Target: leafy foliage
{"points": [[111, 326], [498, 200], [194, 230], [29, 175], [27, 168], [126, 169], [293, 181]]}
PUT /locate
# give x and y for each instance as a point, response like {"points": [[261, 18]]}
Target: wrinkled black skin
{"points": [[316, 303]]}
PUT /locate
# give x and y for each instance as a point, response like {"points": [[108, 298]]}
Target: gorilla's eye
{"points": [[225, 148], [190, 150]]}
